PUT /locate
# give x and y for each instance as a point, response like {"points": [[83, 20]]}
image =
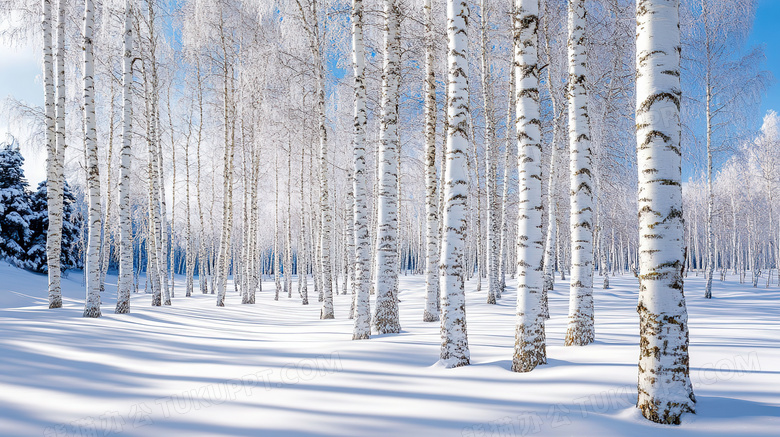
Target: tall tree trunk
{"points": [[105, 247], [311, 26], [508, 166], [125, 282], [203, 283], [552, 218], [54, 185], [287, 230], [172, 247], [454, 337], [580, 328], [664, 384], [277, 260], [530, 348], [92, 267], [303, 253], [431, 312], [223, 259], [386, 315], [491, 156], [362, 287]]}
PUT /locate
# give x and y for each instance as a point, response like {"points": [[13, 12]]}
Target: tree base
{"points": [[429, 317], [578, 336], [530, 350], [92, 312], [670, 414]]}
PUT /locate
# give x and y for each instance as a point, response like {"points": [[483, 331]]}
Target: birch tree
{"points": [[491, 152], [454, 337], [664, 386], [431, 312], [386, 279], [125, 281], [92, 265], [362, 328], [529, 350], [54, 156], [580, 327]]}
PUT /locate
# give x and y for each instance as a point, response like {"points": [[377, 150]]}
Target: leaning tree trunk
{"points": [[454, 338], [362, 326], [125, 282], [664, 384], [552, 219], [92, 304], [580, 329], [529, 332], [431, 312], [386, 313]]}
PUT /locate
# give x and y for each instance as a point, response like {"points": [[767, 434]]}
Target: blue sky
{"points": [[20, 78], [766, 31]]}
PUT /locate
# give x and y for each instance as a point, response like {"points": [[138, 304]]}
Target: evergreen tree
{"points": [[39, 226], [15, 209]]}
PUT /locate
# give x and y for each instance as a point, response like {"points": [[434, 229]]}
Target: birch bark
{"points": [[664, 385], [529, 350], [454, 337]]}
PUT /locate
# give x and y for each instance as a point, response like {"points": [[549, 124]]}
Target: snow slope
{"points": [[274, 368]]}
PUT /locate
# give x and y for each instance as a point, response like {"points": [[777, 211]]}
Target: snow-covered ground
{"points": [[274, 368]]}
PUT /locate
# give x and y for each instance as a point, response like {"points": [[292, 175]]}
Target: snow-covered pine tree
{"points": [[530, 348], [664, 385], [15, 211], [454, 337]]}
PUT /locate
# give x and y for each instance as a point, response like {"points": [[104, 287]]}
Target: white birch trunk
{"points": [[509, 157], [386, 319], [303, 253], [92, 265], [454, 337], [125, 282], [580, 327], [431, 312], [529, 350], [362, 283], [223, 259], [276, 258], [664, 384], [54, 190], [491, 156]]}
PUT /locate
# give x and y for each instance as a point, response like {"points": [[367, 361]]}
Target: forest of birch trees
{"points": [[320, 149]]}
